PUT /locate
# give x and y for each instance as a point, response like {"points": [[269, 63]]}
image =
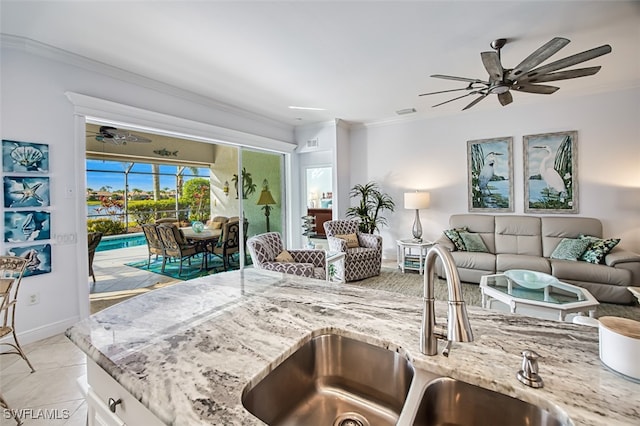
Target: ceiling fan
{"points": [[117, 136], [524, 76]]}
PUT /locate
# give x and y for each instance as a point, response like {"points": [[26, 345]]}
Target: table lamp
{"points": [[265, 200], [416, 200]]}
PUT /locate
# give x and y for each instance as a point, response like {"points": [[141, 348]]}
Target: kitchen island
{"points": [[186, 352]]}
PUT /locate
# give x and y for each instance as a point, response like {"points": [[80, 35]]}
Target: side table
{"points": [[412, 254], [335, 266]]}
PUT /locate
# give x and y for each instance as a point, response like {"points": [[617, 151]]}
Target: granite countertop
{"points": [[187, 351]]}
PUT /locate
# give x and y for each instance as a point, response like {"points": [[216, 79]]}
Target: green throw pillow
{"points": [[454, 236], [570, 248], [473, 242], [598, 248]]}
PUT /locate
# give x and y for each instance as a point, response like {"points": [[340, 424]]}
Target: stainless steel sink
{"points": [[336, 381], [448, 401]]}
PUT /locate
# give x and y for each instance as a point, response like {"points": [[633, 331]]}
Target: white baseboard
{"points": [[45, 331]]}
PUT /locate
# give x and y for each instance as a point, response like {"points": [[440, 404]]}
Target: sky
{"points": [[105, 176]]}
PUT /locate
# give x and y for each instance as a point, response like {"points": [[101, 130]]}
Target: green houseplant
{"points": [[372, 204]]}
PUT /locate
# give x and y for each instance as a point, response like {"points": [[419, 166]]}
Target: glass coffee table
{"points": [[557, 298]]}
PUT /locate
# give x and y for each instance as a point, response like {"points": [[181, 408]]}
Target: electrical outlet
{"points": [[34, 298]]}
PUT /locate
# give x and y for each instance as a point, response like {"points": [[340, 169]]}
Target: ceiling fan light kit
{"points": [[524, 76]]}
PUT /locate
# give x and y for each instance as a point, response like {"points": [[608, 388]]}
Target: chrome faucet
{"points": [[458, 328]]}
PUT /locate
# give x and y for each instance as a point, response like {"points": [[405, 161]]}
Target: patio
{"points": [[113, 275]]}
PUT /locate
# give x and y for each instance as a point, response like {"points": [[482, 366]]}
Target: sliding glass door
{"points": [[263, 191]]}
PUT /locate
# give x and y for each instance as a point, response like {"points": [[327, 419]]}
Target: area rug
{"points": [[188, 271], [411, 284]]}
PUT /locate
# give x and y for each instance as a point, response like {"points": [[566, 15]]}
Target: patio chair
{"points": [[154, 242], [93, 239], [267, 252], [175, 245], [229, 242], [217, 222], [363, 252], [11, 271]]}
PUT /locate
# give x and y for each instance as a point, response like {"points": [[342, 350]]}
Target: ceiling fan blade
{"points": [[476, 100], [562, 75], [446, 91], [539, 56], [469, 80], [505, 98], [136, 138], [492, 64], [535, 88], [455, 99], [570, 60]]}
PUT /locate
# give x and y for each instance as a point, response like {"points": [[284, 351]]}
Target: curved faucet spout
{"points": [[458, 327]]}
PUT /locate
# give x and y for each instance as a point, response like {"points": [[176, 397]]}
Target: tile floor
{"points": [[55, 388]]}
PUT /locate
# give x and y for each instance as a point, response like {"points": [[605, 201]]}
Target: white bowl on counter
{"points": [[620, 345]]}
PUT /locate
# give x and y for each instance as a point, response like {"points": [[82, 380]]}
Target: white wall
{"points": [[430, 154], [34, 108]]}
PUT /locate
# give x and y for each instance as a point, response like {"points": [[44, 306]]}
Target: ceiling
{"points": [[359, 60]]}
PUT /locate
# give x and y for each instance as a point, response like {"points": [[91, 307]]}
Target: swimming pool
{"points": [[112, 242]]}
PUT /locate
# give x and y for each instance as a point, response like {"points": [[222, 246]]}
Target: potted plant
{"points": [[372, 204]]}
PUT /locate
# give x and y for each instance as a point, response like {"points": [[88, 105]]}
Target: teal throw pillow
{"points": [[454, 236], [570, 248], [598, 248], [473, 242]]}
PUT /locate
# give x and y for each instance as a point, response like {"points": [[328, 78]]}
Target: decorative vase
{"points": [[197, 226]]}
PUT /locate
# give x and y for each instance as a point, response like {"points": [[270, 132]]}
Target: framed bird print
{"points": [[490, 175], [26, 191], [551, 172]]}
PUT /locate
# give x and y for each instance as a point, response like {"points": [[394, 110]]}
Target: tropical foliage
{"points": [[106, 226], [197, 194], [372, 203]]}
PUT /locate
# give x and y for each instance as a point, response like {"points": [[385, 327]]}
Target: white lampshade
{"points": [[416, 200]]}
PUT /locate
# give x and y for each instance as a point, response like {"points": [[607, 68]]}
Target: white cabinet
{"points": [[109, 404], [99, 414]]}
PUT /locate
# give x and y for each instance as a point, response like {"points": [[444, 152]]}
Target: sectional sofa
{"points": [[528, 242]]}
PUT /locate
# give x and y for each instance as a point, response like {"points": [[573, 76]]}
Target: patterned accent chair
{"points": [[306, 262], [360, 262]]}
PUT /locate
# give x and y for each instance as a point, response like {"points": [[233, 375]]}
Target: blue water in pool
{"points": [[121, 241]]}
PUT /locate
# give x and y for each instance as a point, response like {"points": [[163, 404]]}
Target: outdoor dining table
{"points": [[201, 240]]}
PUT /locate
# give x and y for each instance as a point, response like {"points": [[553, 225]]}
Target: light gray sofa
{"points": [[527, 242]]}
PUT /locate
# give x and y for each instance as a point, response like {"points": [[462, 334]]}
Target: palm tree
{"points": [[372, 203], [155, 169]]}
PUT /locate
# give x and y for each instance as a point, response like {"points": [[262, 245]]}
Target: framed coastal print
{"points": [[24, 157], [551, 172], [26, 225], [26, 191], [490, 175], [38, 257]]}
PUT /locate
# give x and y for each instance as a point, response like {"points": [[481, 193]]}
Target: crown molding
{"points": [[53, 53]]}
